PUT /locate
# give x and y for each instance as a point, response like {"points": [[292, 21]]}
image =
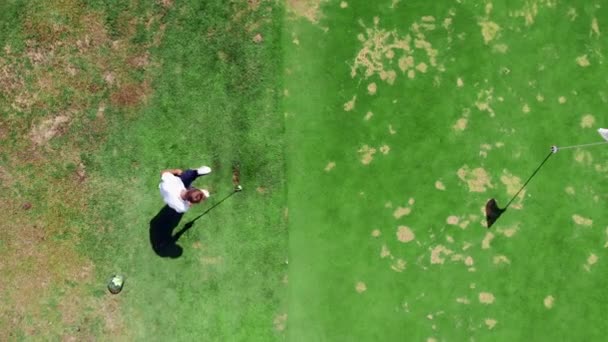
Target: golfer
{"points": [[176, 190]]}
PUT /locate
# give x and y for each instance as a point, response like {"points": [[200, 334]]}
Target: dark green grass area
{"points": [[332, 214]]}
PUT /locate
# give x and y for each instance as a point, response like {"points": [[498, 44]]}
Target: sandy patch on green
{"points": [[380, 47], [513, 184], [485, 243], [570, 190], [510, 231], [490, 323], [385, 252], [280, 322], [587, 121], [463, 300], [461, 124], [372, 88], [330, 166], [548, 301], [399, 265], [562, 99], [459, 82], [368, 116], [453, 220], [500, 259], [376, 232], [350, 105], [405, 234], [308, 9], [540, 98], [477, 179], [438, 253], [583, 157], [439, 186], [485, 98], [582, 221], [366, 154], [595, 28], [525, 108], [583, 61], [486, 298], [401, 211], [489, 29], [343, 4], [391, 131], [385, 149], [591, 260], [360, 287], [469, 261]]}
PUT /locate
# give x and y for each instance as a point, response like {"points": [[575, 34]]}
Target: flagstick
{"points": [[529, 179]]}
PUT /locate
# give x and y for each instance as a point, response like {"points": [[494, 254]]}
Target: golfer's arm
{"points": [[175, 172]]}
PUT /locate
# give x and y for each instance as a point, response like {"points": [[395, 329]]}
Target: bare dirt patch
{"points": [[280, 322], [583, 61], [330, 166], [582, 221], [548, 301], [460, 125], [48, 129], [308, 9], [367, 154], [385, 149], [583, 157], [376, 232], [477, 179], [490, 323], [453, 220], [385, 252], [591, 260], [372, 88], [562, 99], [401, 211], [360, 287], [486, 298], [438, 254], [489, 30], [485, 243], [368, 116], [439, 186], [587, 121], [570, 190], [391, 131], [595, 28], [399, 265], [405, 234], [500, 259], [513, 184], [463, 300], [350, 105]]}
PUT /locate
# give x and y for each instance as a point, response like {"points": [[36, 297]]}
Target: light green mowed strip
{"points": [[539, 273]]}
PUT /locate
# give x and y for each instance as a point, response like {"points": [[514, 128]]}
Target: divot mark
{"points": [[548, 301], [490, 323], [439, 186], [367, 154], [350, 105], [587, 121], [360, 287], [330, 166], [401, 211]]}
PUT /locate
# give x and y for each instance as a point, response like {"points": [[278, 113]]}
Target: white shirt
{"points": [[171, 188]]}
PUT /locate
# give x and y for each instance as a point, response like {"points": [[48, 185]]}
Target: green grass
{"points": [[332, 214]]}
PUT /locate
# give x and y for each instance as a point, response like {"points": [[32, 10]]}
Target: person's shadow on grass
{"points": [[163, 242]]}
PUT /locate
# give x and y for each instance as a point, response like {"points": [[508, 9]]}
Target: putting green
{"points": [[403, 119]]}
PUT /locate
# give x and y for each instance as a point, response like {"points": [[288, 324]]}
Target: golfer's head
{"points": [[196, 195]]}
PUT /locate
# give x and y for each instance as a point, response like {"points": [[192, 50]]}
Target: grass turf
{"points": [[406, 292]]}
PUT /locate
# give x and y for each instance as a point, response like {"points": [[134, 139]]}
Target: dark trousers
{"points": [[188, 176]]}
